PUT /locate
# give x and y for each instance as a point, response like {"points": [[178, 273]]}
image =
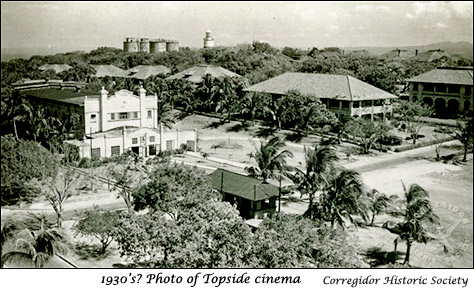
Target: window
{"points": [[112, 116], [415, 86], [441, 88], [345, 104], [428, 87], [333, 103], [149, 113], [123, 115], [366, 103], [115, 150], [135, 114], [356, 104], [134, 140], [152, 139], [95, 153], [93, 117]]}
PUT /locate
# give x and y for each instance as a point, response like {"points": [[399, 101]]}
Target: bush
{"points": [[85, 163], [390, 140], [422, 144], [444, 129]]}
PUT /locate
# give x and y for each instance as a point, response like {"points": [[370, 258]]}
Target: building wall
{"points": [[448, 99], [122, 109], [131, 45], [127, 139], [359, 108]]}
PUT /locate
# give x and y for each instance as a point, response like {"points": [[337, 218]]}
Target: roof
{"points": [[67, 96], [143, 72], [430, 56], [339, 87], [397, 54], [58, 68], [458, 76], [196, 73], [242, 186], [108, 70]]}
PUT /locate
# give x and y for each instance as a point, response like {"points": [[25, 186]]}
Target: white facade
{"points": [[143, 141], [121, 122], [122, 109]]}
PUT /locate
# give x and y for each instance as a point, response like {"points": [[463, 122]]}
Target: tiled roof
{"points": [[58, 68], [143, 72], [196, 73], [242, 186], [459, 76], [397, 54], [339, 87], [108, 70], [429, 56]]}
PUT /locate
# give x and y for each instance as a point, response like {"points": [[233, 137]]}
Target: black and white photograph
{"points": [[238, 140]]}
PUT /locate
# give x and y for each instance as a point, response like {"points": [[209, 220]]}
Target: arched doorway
{"points": [[440, 107], [453, 108], [428, 101]]}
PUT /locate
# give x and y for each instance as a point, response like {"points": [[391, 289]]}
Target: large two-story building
{"points": [[124, 121], [448, 89], [342, 94]]}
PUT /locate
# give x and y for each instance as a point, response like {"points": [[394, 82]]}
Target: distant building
{"points": [[448, 89], [108, 71], [135, 44], [208, 40], [196, 73], [342, 94], [254, 198], [143, 72]]}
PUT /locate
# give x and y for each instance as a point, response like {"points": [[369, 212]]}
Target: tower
{"points": [[208, 40]]}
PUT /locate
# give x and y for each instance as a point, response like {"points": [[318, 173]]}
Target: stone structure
{"points": [[208, 40]]}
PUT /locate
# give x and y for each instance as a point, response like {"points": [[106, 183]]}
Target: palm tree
{"points": [[33, 242], [344, 197], [319, 167], [271, 160], [378, 202], [464, 133], [418, 216]]}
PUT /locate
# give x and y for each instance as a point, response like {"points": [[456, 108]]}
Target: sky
{"points": [[295, 24]]}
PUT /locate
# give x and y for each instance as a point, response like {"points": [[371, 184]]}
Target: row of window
{"points": [[115, 151], [122, 115], [135, 139], [331, 103]]}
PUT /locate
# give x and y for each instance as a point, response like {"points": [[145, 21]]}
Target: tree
{"points": [[271, 160], [21, 162], [126, 180], [418, 217], [172, 187], [367, 131], [58, 189], [293, 241], [319, 168], [378, 202], [210, 234], [464, 133], [414, 114], [32, 243], [343, 198], [100, 224]]}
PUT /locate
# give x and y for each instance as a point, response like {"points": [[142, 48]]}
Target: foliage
{"points": [[367, 132], [378, 203], [418, 217], [172, 187], [32, 241], [290, 241], [319, 168], [21, 162], [464, 133], [414, 114], [58, 189], [343, 198], [271, 160], [99, 224]]}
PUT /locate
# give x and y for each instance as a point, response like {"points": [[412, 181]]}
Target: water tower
{"points": [[208, 40]]}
